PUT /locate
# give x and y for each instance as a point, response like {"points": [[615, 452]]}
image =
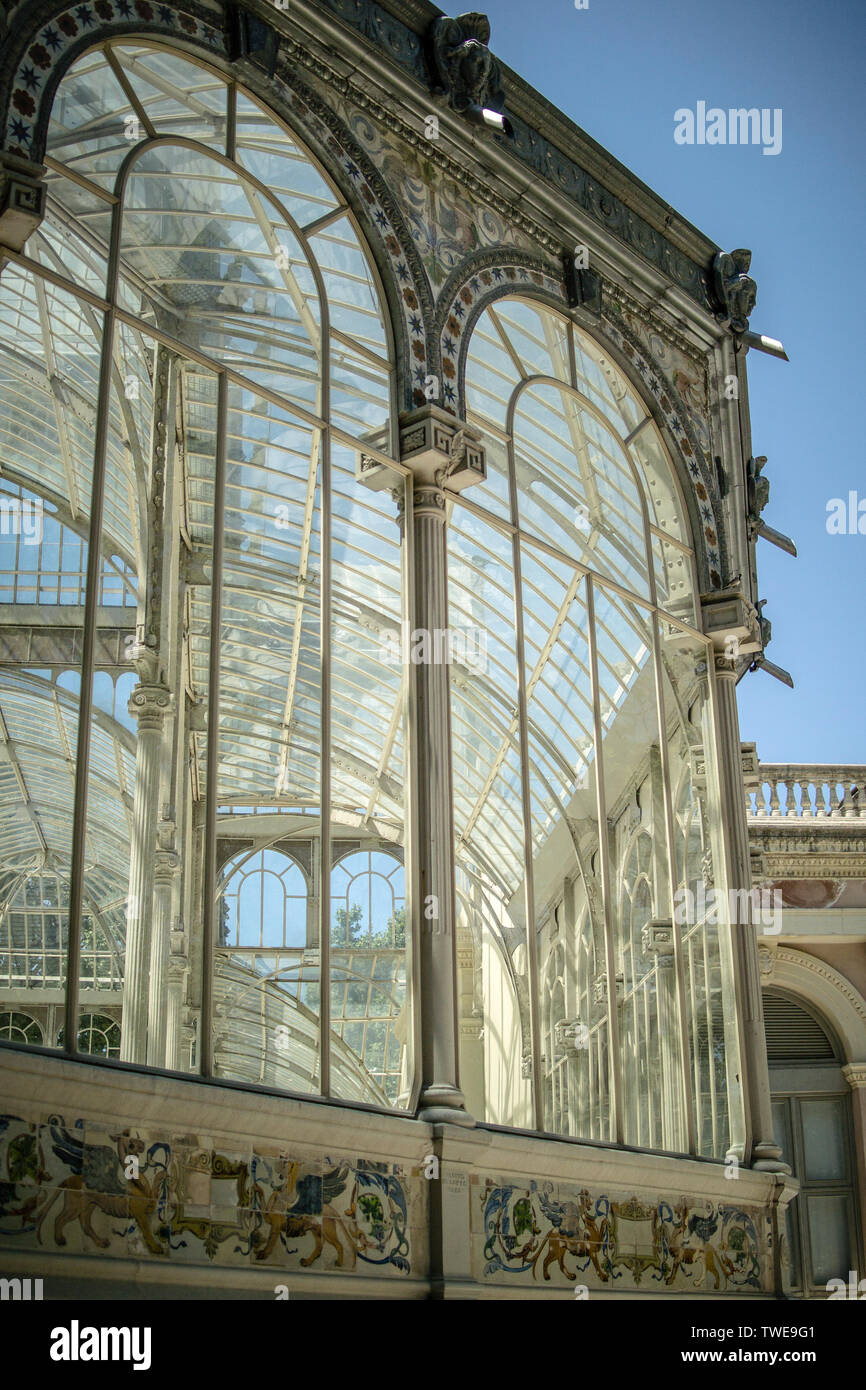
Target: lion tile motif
{"points": [[120, 1194], [544, 1232]]}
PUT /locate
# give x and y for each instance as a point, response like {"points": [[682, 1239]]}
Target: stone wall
{"points": [[119, 1183]]}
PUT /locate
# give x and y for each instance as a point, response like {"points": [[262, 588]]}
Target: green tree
{"points": [[346, 926], [394, 934]]}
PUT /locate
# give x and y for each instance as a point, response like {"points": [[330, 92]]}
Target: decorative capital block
{"points": [[441, 449], [732, 623], [657, 938], [22, 200], [600, 989]]}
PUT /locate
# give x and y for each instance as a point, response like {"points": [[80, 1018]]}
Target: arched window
{"points": [[98, 1035], [368, 964], [21, 1028], [576, 561], [33, 938], [251, 348], [265, 902], [368, 899]]}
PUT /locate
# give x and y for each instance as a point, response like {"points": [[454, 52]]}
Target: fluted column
{"points": [[174, 990], [763, 1151], [149, 704], [442, 453], [166, 863], [441, 1097]]}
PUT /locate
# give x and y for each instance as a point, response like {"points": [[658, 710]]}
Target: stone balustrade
{"points": [[807, 791]]}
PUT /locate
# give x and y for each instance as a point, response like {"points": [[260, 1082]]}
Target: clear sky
{"points": [[620, 69]]}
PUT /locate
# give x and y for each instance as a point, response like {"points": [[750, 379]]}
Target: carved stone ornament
{"points": [[757, 491], [22, 200], [766, 962], [464, 69], [657, 938], [569, 1036], [600, 989], [735, 291], [149, 705]]}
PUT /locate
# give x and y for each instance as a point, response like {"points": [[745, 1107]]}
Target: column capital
{"points": [[657, 939], [732, 622], [724, 667], [441, 451], [426, 502], [165, 865], [150, 704], [22, 200], [177, 969], [855, 1074]]}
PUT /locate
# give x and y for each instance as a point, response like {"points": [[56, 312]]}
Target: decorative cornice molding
{"points": [[801, 851], [855, 1074]]}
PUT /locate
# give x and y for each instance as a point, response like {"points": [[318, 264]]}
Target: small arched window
{"points": [[20, 1028], [368, 901], [98, 1035], [264, 902]]}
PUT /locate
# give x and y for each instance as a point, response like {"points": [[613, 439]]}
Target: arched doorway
{"points": [[813, 1124]]}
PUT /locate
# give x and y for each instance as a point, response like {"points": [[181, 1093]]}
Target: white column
{"points": [[149, 704], [165, 866], [441, 1098], [175, 984], [442, 453], [763, 1151]]}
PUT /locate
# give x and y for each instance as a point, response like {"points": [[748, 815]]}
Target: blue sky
{"points": [[620, 69]]}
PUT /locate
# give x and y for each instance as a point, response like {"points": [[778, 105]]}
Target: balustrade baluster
{"points": [[775, 806]]}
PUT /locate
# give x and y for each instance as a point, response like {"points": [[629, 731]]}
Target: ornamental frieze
{"points": [[534, 1234]]}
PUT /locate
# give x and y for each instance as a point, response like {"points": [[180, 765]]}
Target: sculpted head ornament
{"points": [[464, 68], [735, 291]]}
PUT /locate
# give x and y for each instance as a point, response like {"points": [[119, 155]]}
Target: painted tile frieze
{"points": [[445, 222], [191, 1199], [546, 1233]]}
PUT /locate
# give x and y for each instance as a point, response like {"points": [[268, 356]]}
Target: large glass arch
{"points": [[197, 351], [575, 559]]}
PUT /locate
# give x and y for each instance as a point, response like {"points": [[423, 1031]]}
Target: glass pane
{"points": [[635, 833], [576, 487], [49, 377], [825, 1155], [495, 1045], [177, 96], [828, 1220], [267, 969], [229, 270], [702, 910], [371, 1054]]}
